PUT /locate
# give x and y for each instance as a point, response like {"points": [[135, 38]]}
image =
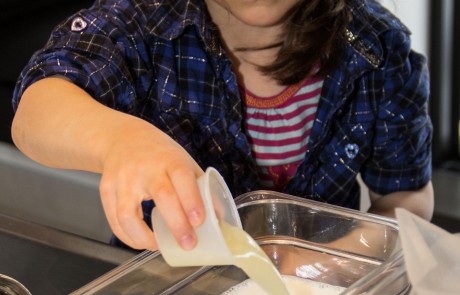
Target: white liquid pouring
{"points": [[253, 260]]}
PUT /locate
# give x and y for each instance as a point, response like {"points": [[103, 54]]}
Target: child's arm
{"points": [[420, 202], [60, 125]]}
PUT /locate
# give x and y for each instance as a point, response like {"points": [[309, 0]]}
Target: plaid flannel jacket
{"points": [[162, 61]]}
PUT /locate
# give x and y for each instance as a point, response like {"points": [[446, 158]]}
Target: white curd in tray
{"points": [[295, 286]]}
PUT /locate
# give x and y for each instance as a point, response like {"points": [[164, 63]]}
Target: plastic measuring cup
{"points": [[211, 248]]}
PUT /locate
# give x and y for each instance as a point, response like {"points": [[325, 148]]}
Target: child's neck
{"points": [[237, 36], [256, 82]]}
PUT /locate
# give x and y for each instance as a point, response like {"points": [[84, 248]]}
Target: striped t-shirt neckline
{"points": [[278, 129]]}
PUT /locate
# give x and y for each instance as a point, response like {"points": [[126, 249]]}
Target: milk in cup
{"points": [[220, 239]]}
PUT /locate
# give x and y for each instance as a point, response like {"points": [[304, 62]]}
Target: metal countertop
{"points": [[49, 261]]}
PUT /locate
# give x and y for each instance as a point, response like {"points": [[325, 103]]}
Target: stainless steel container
{"points": [[304, 238], [10, 286]]}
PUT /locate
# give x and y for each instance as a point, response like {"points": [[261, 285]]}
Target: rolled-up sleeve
{"points": [[401, 156], [98, 50]]}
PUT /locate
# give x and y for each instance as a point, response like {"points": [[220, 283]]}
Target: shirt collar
{"points": [[362, 36], [370, 20], [169, 19]]}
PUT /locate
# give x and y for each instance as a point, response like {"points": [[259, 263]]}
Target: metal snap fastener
{"points": [[351, 149], [78, 24]]}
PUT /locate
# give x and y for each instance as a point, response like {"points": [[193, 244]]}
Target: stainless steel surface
{"points": [[48, 261], [10, 286], [61, 199], [446, 186]]}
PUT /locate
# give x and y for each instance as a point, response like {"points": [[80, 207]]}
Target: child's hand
{"points": [[141, 164]]}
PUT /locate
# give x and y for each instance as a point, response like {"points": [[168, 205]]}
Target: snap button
{"points": [[351, 149], [78, 24]]}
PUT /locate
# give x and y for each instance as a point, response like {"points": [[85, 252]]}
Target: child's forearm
{"points": [[420, 202], [60, 125]]}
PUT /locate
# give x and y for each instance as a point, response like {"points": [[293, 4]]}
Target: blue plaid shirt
{"points": [[162, 61]]}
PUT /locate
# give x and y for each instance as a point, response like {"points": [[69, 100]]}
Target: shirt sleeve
{"points": [[100, 49], [401, 155]]}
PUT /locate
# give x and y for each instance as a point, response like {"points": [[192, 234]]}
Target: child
{"points": [[290, 95]]}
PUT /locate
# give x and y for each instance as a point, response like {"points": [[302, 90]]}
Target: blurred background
{"points": [[69, 201]]}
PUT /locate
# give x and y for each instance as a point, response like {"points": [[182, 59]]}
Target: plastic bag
{"points": [[431, 255]]}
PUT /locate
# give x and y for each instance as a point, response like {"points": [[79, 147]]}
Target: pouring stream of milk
{"points": [[253, 260]]}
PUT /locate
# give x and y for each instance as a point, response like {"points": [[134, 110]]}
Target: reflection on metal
{"points": [[9, 286]]}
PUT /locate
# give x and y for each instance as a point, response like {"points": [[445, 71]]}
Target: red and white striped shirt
{"points": [[279, 127]]}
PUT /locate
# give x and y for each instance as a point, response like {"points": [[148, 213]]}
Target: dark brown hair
{"points": [[313, 37]]}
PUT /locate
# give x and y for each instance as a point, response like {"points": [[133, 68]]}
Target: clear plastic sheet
{"points": [[431, 255]]}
